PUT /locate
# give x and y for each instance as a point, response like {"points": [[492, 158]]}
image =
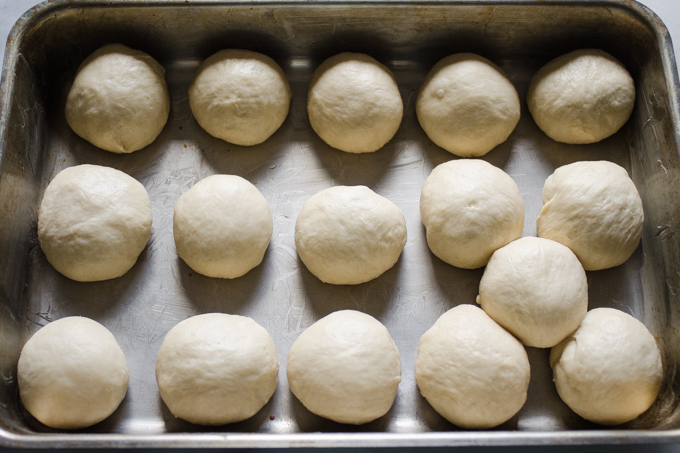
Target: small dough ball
{"points": [[72, 374], [345, 367], [609, 371], [240, 96], [222, 226], [348, 235], [354, 104], [472, 372], [119, 100], [215, 368], [467, 105], [594, 209], [94, 222], [470, 208], [581, 97]]}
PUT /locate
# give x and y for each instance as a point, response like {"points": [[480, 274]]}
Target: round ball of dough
{"points": [[119, 100], [348, 235], [581, 97], [345, 367], [472, 372], [470, 208], [222, 226], [72, 374], [240, 96], [93, 222], [353, 103], [215, 368], [594, 209], [609, 371], [467, 105]]}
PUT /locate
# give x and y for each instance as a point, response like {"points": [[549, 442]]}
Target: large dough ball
{"points": [[215, 368], [609, 371], [470, 208], [93, 222], [345, 367], [348, 235], [473, 372], [240, 96], [594, 209], [119, 100], [72, 374], [581, 97], [353, 103]]}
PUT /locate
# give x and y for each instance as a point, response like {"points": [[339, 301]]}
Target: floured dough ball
{"points": [[467, 105], [345, 367], [240, 96], [609, 371], [119, 100], [222, 226], [215, 368], [472, 372], [470, 208], [594, 209], [581, 97], [353, 103], [72, 374], [348, 235], [93, 222]]}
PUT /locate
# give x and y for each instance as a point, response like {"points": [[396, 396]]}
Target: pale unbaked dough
{"points": [[72, 373], [470, 208], [348, 235], [609, 371], [472, 372], [222, 226], [119, 100], [345, 367], [215, 368], [581, 97], [93, 222], [240, 96], [594, 209], [354, 103]]}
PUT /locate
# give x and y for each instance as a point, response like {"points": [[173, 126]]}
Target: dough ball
{"points": [[119, 100], [214, 369], [348, 235], [472, 372], [467, 105], [345, 367], [353, 103], [222, 226], [470, 208], [594, 209], [72, 374], [93, 222], [240, 96], [609, 371], [581, 97], [536, 289]]}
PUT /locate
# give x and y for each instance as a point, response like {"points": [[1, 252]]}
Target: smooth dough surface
{"points": [[594, 209], [240, 96], [467, 105], [609, 371], [94, 222], [354, 103], [119, 99], [345, 367], [72, 373], [348, 235], [216, 368], [470, 208]]}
